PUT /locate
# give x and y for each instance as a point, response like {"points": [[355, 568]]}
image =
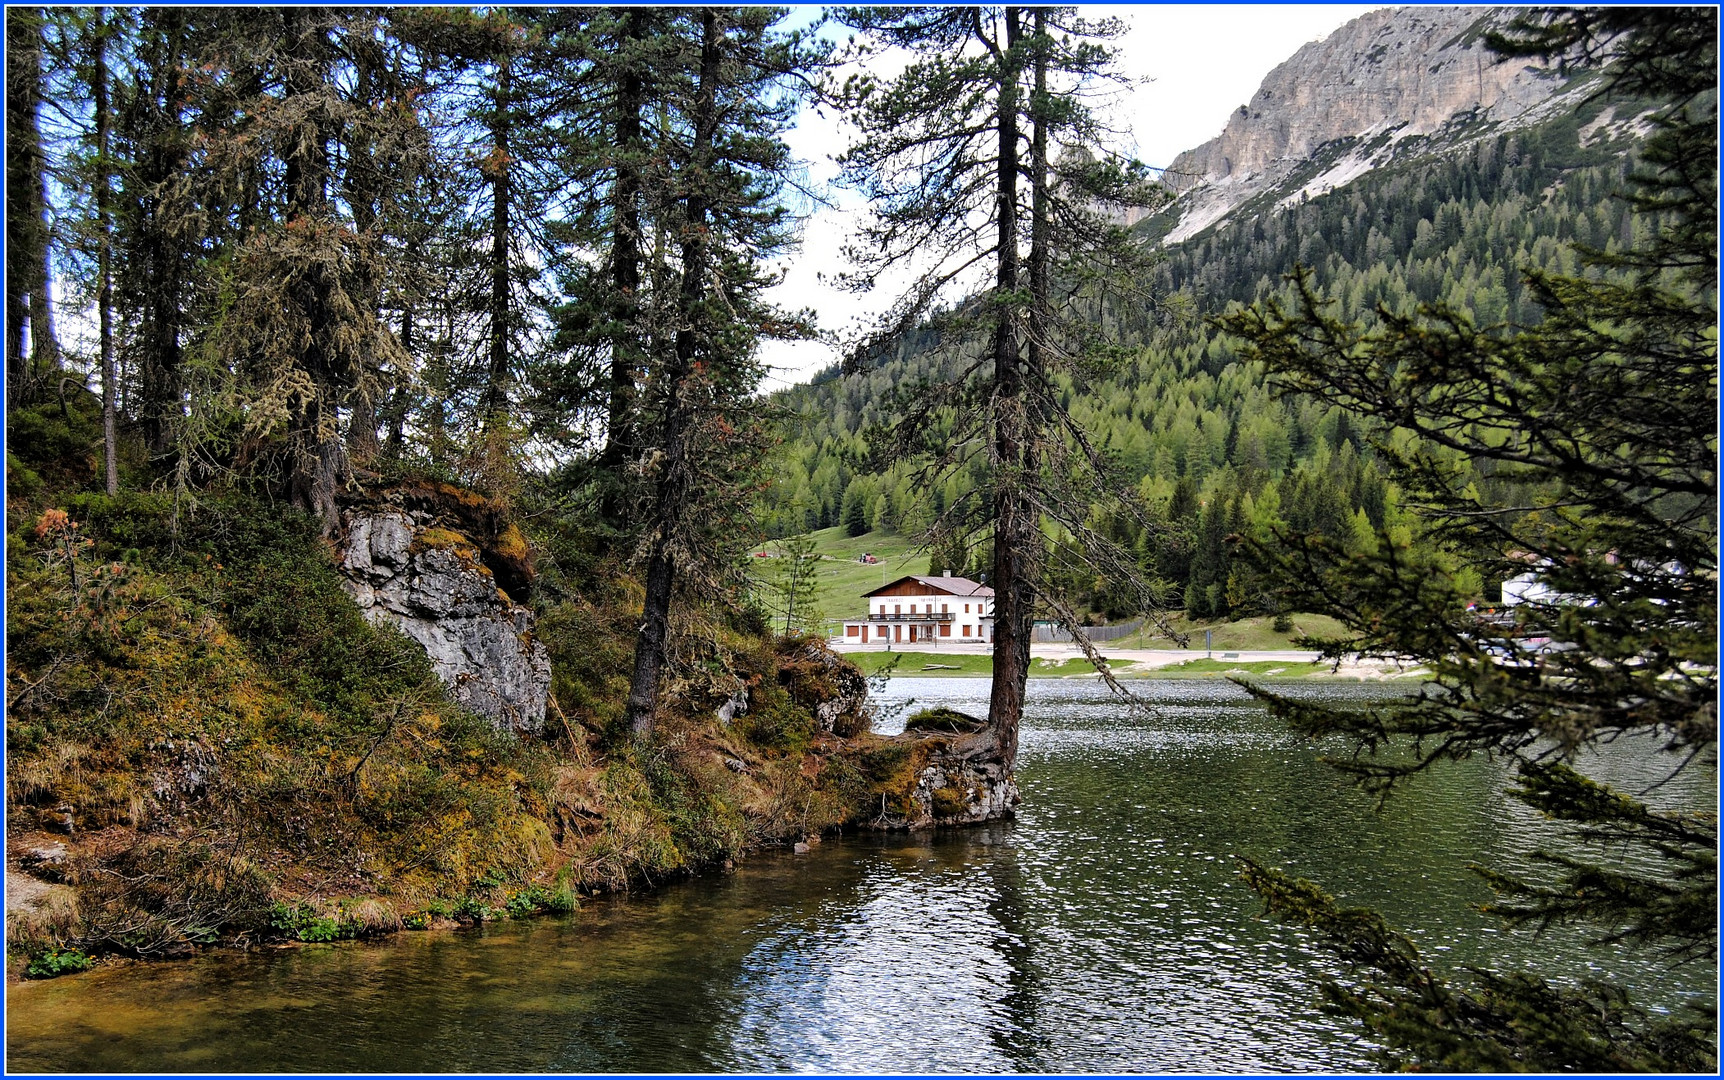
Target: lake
{"points": [[1105, 930]]}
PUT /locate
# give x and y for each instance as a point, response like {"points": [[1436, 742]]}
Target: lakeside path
{"points": [[1143, 662]]}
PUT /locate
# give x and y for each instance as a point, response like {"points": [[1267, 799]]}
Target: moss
{"points": [[941, 718], [950, 802], [815, 676], [775, 722], [891, 769], [438, 539]]}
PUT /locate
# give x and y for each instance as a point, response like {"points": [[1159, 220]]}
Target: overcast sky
{"points": [[1201, 61]]}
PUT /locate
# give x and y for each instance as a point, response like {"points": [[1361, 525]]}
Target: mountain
{"points": [[1400, 163], [1388, 86]]}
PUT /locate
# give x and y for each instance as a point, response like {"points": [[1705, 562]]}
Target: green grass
{"points": [[1203, 668], [971, 665], [919, 664], [1250, 635], [843, 580], [967, 664], [1077, 665]]}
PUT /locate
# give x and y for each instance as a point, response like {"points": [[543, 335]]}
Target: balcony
{"points": [[919, 616]]}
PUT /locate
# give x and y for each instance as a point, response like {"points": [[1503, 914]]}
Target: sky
{"points": [[1195, 64]]}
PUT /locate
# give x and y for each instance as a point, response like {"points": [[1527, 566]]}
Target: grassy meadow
{"points": [[843, 580]]}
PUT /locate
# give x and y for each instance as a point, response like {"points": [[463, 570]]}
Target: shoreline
{"points": [[1066, 661]]}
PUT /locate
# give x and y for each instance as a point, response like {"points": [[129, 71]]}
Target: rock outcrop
{"points": [[955, 776], [830, 687], [1383, 78], [433, 584]]}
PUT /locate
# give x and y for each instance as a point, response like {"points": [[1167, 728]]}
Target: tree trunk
{"points": [[104, 254], [395, 416], [319, 465], [670, 498], [160, 261], [27, 286], [625, 252], [44, 345], [1017, 531], [363, 183], [496, 397], [20, 225]]}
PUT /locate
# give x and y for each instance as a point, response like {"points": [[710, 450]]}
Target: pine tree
{"points": [[29, 269], [719, 199], [1596, 429], [955, 156], [298, 325], [158, 237]]}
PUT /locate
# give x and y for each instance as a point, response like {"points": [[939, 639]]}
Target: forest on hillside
{"points": [[1206, 438]]}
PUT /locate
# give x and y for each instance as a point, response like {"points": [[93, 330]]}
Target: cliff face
{"points": [[433, 585], [1384, 78]]}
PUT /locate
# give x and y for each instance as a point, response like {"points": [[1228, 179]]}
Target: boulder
{"points": [[433, 584]]}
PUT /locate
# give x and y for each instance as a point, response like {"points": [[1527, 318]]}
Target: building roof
{"points": [[954, 586]]}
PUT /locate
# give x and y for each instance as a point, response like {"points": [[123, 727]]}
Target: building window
{"points": [[852, 631], [945, 629], [897, 609], [966, 629], [942, 609], [966, 609]]}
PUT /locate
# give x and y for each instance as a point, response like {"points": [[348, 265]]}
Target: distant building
{"points": [[1527, 588], [925, 609]]}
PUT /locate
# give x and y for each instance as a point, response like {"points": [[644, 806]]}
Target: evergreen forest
{"points": [[1202, 434]]}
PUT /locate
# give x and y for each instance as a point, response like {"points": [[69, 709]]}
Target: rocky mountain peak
{"points": [[1383, 78]]}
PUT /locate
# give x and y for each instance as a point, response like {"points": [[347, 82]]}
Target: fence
{"points": [[1049, 632]]}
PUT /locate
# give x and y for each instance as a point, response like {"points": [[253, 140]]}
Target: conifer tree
{"points": [[158, 233], [29, 270], [734, 94], [1597, 429], [954, 155], [299, 326]]}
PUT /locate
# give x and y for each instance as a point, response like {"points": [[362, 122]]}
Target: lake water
{"points": [[1105, 930]]}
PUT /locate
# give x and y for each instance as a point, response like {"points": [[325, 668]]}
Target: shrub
{"points": [[319, 928], [59, 447], [477, 910], [302, 923], [57, 962]]}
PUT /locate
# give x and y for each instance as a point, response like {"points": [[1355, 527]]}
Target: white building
{"points": [[925, 610]]}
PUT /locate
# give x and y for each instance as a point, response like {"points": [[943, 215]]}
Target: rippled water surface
{"points": [[1104, 930]]}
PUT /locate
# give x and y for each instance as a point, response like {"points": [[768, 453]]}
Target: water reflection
{"points": [[1105, 930]]}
